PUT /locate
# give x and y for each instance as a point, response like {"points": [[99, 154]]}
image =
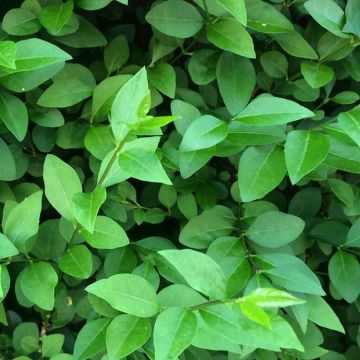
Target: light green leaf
{"points": [[202, 230], [344, 272], [20, 22], [175, 18], [127, 293], [292, 273], [125, 334], [236, 8], [261, 169], [77, 262], [346, 97], [116, 54], [274, 229], [294, 44], [271, 110], [7, 249], [263, 17], [61, 184], [22, 222], [199, 270], [271, 297], [124, 110], [86, 207], [316, 75], [255, 313], [38, 281], [163, 77], [236, 79], [91, 339], [230, 35], [328, 14], [143, 165], [352, 24], [350, 123], [7, 165], [174, 330], [304, 152], [14, 115], [203, 133], [192, 161], [7, 54], [54, 17], [342, 190], [107, 234]]}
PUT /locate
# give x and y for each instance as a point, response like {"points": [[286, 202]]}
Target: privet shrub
{"points": [[179, 179]]}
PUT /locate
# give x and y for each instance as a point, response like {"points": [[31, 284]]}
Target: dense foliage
{"points": [[179, 179]]}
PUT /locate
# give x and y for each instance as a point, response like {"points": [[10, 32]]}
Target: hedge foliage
{"points": [[179, 179]]}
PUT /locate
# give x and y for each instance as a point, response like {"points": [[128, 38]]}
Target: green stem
{"points": [[210, 303]]}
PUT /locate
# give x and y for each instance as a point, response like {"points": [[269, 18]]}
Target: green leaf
{"points": [[342, 190], [353, 236], [316, 75], [107, 234], [236, 8], [344, 272], [125, 334], [328, 14], [77, 262], [38, 281], [54, 17], [236, 79], [86, 35], [346, 97], [124, 110], [230, 35], [14, 115], [292, 273], [174, 330], [61, 184], [64, 93], [91, 339], [243, 134], [275, 64], [263, 17], [255, 313], [271, 110], [261, 169], [127, 293], [322, 314], [7, 249], [274, 229], [116, 54], [144, 165], [199, 270], [23, 221], [20, 22], [304, 152], [52, 344], [163, 77], [203, 133], [203, 229], [105, 93], [175, 18], [349, 122], [86, 207], [271, 297], [7, 54], [352, 17], [32, 54], [294, 44], [7, 165]]}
